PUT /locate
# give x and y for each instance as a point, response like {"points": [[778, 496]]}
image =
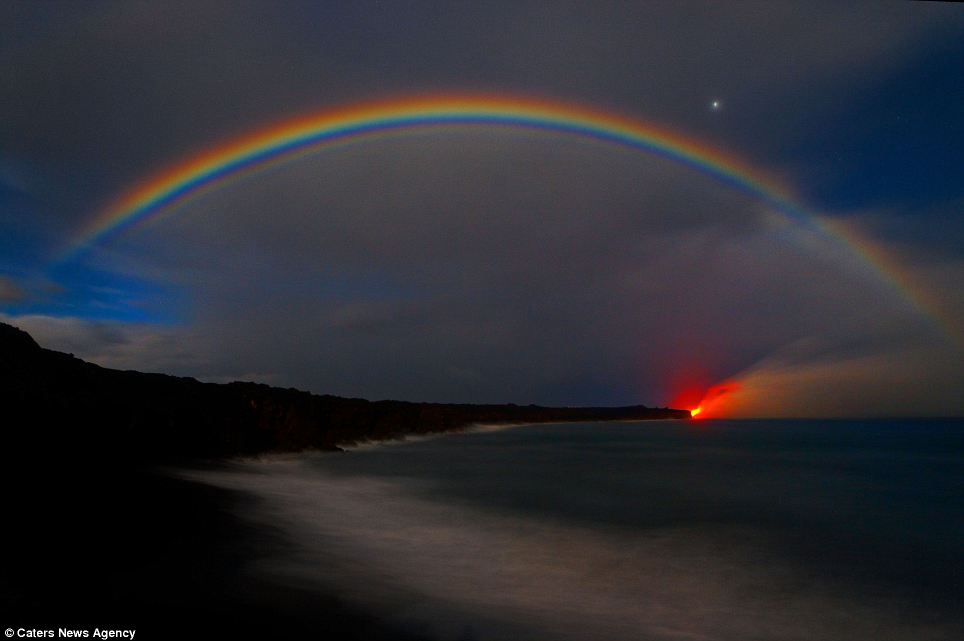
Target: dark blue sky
{"points": [[899, 143]]}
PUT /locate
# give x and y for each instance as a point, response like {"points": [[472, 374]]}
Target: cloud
{"points": [[929, 270], [495, 266], [895, 383], [112, 344], [10, 292], [95, 97]]}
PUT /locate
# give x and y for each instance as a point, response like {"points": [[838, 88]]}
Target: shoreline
{"points": [[101, 544], [372, 508], [136, 545], [475, 428], [166, 556]]}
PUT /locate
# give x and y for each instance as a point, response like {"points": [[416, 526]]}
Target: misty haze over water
{"points": [[656, 530]]}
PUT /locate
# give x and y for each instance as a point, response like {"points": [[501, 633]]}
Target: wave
{"points": [[477, 428], [457, 571]]}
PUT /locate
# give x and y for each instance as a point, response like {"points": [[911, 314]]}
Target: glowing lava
{"points": [[717, 401], [706, 402]]}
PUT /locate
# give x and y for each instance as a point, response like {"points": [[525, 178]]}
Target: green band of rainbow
{"points": [[251, 153]]}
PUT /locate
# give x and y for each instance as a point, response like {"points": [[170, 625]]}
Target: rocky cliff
{"points": [[53, 400]]}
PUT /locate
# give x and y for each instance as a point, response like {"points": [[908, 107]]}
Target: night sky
{"points": [[493, 264]]}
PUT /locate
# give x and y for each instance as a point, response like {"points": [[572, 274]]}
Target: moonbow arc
{"points": [[219, 166]]}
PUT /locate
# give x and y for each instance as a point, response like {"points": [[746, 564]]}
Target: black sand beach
{"points": [[97, 545]]}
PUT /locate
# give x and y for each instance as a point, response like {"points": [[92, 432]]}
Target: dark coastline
{"points": [[78, 406], [98, 535]]}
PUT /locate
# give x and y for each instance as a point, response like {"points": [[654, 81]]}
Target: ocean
{"points": [[716, 529]]}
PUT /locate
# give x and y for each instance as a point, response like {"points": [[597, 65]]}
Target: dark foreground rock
{"points": [[120, 547]]}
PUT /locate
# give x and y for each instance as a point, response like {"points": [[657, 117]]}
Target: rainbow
{"points": [[225, 164], [222, 165]]}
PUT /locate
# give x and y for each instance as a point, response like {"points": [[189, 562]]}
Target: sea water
{"points": [[650, 530]]}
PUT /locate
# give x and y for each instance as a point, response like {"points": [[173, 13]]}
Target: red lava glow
{"points": [[690, 395], [715, 401]]}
